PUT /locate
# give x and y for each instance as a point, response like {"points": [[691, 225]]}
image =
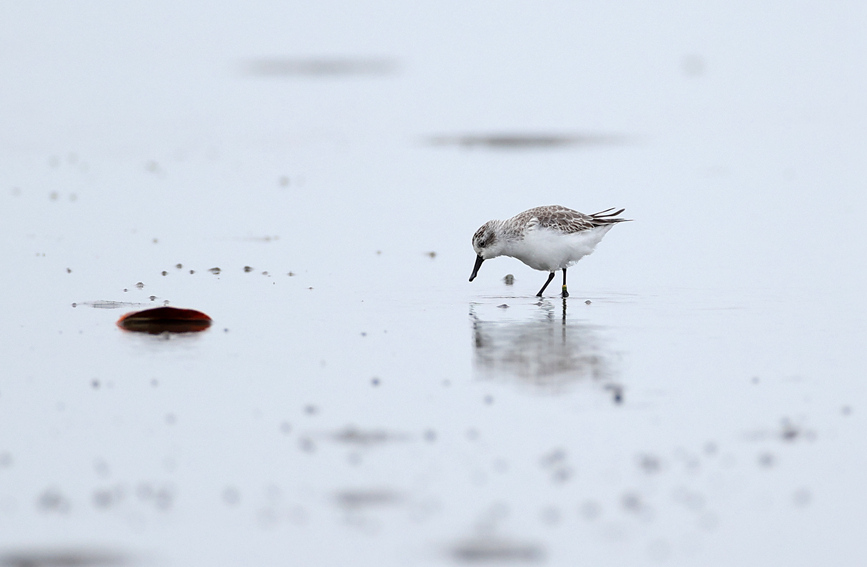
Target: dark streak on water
{"points": [[490, 550], [61, 558], [521, 141], [318, 67]]}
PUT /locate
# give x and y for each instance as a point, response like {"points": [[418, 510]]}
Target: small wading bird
{"points": [[545, 238]]}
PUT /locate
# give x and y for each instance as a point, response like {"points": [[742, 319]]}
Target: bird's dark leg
{"points": [[550, 277], [565, 293]]}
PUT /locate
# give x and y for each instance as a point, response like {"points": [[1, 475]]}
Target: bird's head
{"points": [[487, 243]]}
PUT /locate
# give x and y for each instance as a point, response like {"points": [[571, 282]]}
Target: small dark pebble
{"points": [[215, 270], [509, 279], [179, 266], [248, 269], [503, 306], [68, 270], [139, 285], [588, 302], [165, 273]]}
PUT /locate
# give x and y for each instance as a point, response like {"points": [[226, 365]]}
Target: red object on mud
{"points": [[165, 320]]}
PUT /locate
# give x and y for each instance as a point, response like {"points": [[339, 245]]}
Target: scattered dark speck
{"points": [[68, 270], [631, 502], [374, 381], [588, 302], [192, 271], [767, 460], [432, 254], [551, 516], [248, 269], [509, 279], [650, 464], [355, 499], [231, 496], [290, 274], [311, 410], [590, 510], [95, 384], [139, 285], [75, 305], [179, 266], [152, 297], [52, 500], [215, 270], [503, 306], [789, 431], [165, 273], [802, 497]]}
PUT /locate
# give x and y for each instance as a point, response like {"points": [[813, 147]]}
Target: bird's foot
{"points": [[565, 293]]}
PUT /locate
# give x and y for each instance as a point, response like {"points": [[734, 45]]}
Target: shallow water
{"points": [[699, 398]]}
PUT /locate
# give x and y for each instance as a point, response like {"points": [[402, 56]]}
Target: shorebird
{"points": [[545, 238]]}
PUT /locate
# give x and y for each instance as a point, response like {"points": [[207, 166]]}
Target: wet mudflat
{"points": [[699, 399]]}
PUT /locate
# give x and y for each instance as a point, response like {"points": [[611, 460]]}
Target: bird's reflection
{"points": [[537, 345]]}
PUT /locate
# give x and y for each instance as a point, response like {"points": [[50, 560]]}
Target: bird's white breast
{"points": [[552, 250]]}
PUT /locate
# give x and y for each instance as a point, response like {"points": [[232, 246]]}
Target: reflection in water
{"points": [[542, 348]]}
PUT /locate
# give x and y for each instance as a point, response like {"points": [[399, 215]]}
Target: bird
{"points": [[545, 238]]}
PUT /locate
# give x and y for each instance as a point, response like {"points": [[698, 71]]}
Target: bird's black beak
{"points": [[478, 265]]}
